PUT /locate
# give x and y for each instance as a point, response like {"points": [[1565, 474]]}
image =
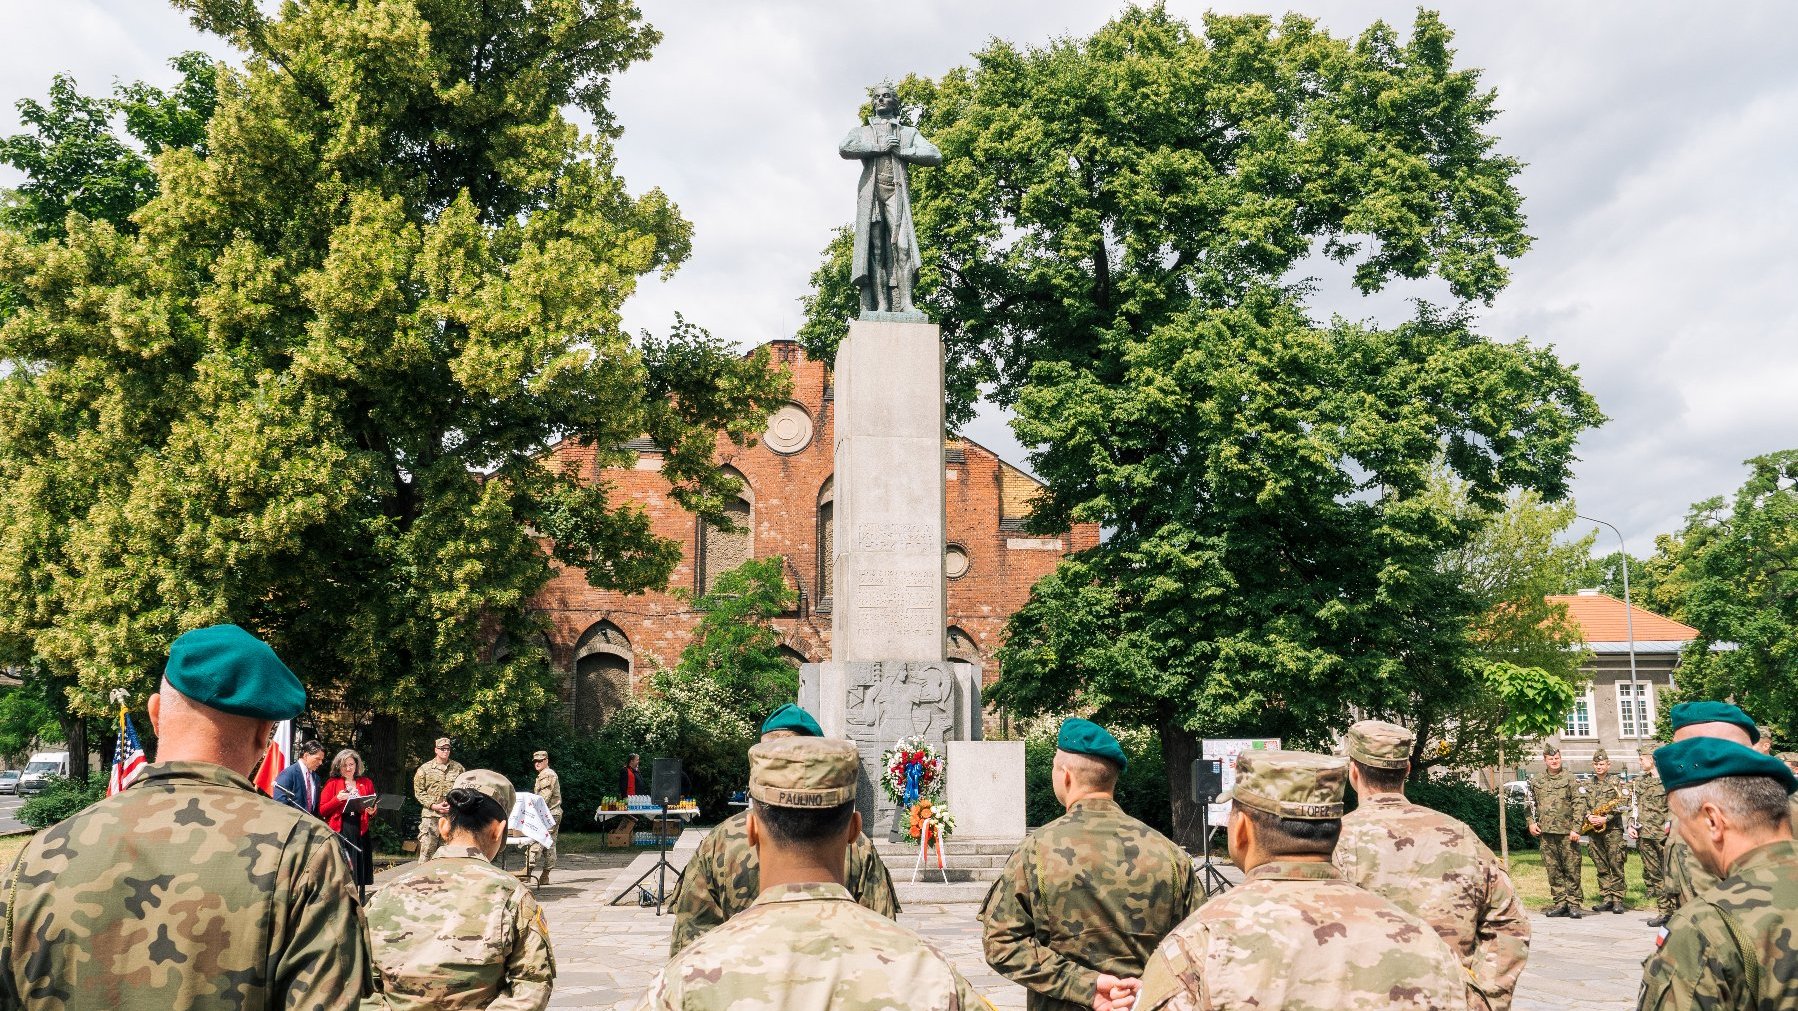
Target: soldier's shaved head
{"points": [[189, 731], [1717, 729]]}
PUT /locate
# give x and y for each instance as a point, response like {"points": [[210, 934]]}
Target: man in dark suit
{"points": [[297, 785]]}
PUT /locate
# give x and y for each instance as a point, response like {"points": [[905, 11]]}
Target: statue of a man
{"points": [[886, 247]]}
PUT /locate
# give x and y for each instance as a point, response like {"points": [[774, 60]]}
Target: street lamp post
{"points": [[1629, 626]]}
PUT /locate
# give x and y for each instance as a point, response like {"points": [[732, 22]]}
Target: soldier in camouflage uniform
{"points": [[804, 944], [189, 889], [1430, 865], [1686, 878], [723, 877], [549, 787], [1736, 945], [1604, 833], [1653, 823], [430, 784], [1555, 822], [458, 932], [1294, 936], [1084, 900]]}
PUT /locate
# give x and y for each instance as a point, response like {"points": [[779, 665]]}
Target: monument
{"points": [[888, 676]]}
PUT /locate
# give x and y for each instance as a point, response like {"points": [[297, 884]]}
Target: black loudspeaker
{"points": [[664, 782], [1207, 780]]}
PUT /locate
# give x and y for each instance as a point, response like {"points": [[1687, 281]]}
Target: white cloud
{"points": [[1659, 185]]}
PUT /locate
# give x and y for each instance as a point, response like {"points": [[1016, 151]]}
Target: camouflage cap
{"points": [[1788, 757], [539, 756], [488, 782], [1379, 744], [808, 772], [1647, 750], [1290, 784], [1550, 751], [1601, 755], [442, 742]]}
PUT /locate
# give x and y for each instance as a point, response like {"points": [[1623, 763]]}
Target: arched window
{"points": [[723, 550], [601, 681], [792, 656], [827, 540], [960, 645]]}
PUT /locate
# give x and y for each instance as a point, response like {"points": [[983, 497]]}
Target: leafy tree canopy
{"points": [[1108, 247], [313, 391], [735, 652]]}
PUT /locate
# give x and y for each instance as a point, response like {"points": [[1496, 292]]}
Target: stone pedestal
{"points": [[986, 789]]}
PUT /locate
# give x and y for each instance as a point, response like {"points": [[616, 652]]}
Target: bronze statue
{"points": [[886, 247]]}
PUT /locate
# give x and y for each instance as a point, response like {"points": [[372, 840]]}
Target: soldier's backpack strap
{"points": [[1751, 963]]}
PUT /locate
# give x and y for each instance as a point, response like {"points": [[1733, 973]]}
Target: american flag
{"points": [[127, 756]]}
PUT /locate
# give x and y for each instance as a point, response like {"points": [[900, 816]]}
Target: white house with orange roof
{"points": [[1617, 712]]}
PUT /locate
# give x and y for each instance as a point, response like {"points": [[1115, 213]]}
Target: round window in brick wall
{"points": [[789, 430], [955, 562]]}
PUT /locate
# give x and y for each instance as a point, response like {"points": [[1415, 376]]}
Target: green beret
{"points": [[1084, 737], [791, 717], [228, 669], [1698, 760], [1687, 713]]}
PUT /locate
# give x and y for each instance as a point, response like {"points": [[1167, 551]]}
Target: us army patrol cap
{"points": [[805, 772], [226, 668], [793, 720], [490, 783], [1290, 784], [1688, 713], [1698, 760], [442, 742], [1084, 737], [539, 756], [1379, 744]]}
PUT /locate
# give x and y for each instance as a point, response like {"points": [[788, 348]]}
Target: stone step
{"points": [[970, 847], [906, 858], [924, 893]]}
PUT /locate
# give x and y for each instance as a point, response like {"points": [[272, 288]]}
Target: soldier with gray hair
{"points": [[1430, 865], [1736, 944], [1294, 936], [458, 932], [805, 945]]}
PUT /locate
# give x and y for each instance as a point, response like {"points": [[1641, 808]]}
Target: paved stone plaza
{"points": [[606, 955]]}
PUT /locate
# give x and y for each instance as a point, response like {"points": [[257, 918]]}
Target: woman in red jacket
{"points": [[347, 781]]}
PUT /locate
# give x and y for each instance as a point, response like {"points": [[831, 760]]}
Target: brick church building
{"points": [[607, 642]]}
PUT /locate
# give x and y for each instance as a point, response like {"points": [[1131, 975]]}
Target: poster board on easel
{"points": [[1226, 749]]}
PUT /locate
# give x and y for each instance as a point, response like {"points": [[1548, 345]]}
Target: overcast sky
{"points": [[1658, 137]]}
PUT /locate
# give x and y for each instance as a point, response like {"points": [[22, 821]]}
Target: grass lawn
{"points": [[10, 846], [1531, 880]]}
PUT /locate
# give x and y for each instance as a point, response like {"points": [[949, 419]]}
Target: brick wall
{"points": [[985, 501]]}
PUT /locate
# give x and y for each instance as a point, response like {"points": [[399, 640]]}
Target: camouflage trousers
{"points": [[428, 839], [1607, 856], [536, 855], [1561, 859], [1654, 871]]}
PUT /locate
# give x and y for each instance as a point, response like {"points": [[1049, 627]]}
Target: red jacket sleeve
{"points": [[366, 787], [330, 803]]}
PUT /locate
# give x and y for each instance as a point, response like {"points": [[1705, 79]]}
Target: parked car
{"points": [[9, 781]]}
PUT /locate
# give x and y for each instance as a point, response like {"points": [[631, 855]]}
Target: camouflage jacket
{"points": [[432, 782], [1557, 798], [549, 787], [1702, 963], [1602, 790], [1092, 891], [458, 932], [724, 877], [1436, 869], [1353, 949], [1686, 877], [809, 946], [188, 890], [1652, 817]]}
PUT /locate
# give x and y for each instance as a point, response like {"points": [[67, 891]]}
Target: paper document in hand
{"points": [[531, 819]]}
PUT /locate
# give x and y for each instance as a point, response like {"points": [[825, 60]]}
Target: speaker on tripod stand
{"points": [[1207, 783], [664, 791]]}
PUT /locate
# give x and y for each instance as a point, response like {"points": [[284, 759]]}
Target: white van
{"points": [[43, 764]]}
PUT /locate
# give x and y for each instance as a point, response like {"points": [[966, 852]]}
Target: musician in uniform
{"points": [[1602, 806]]}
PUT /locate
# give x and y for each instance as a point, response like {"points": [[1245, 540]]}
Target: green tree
{"points": [[1741, 559], [1108, 243], [1658, 582], [75, 160], [735, 652], [315, 392], [28, 716]]}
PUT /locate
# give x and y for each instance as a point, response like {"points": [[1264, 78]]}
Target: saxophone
{"points": [[1604, 810]]}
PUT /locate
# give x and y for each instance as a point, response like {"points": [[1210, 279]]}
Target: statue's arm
{"points": [[859, 144], [919, 151]]}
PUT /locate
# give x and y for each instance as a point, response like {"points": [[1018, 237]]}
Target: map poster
{"points": [[1227, 749]]}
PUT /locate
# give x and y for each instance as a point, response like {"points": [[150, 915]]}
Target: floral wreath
{"points": [[911, 770]]}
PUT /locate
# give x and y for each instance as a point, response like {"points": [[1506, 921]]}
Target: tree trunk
{"points": [[1179, 749], [74, 733]]}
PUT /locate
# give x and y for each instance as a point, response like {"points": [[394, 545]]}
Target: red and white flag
{"points": [[127, 756], [278, 756]]}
